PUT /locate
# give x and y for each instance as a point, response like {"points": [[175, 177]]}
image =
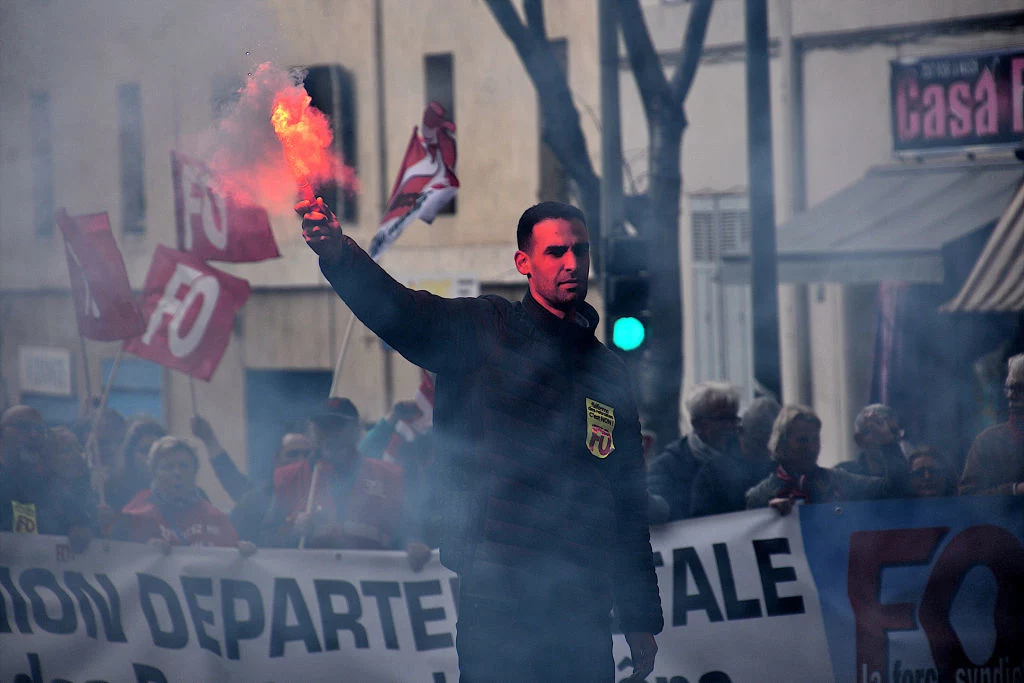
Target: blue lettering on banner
{"points": [[687, 563]]}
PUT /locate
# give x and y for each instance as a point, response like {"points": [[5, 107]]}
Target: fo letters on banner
{"points": [[104, 304], [189, 308], [214, 227]]}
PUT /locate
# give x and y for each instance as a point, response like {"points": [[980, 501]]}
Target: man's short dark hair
{"points": [[541, 212]]}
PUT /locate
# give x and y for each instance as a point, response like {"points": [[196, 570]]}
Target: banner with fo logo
{"points": [[104, 304], [189, 308], [214, 227]]}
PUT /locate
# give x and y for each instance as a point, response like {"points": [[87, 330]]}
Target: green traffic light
{"points": [[628, 333]]}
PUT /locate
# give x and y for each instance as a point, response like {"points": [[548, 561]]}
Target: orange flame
{"points": [[305, 135], [271, 140]]}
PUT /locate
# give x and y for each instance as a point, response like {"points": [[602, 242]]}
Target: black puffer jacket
{"points": [[530, 514]]}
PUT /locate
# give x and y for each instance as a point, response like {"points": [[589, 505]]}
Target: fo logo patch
{"points": [[600, 427]]}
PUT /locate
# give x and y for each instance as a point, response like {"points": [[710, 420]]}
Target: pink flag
{"points": [[104, 304], [426, 181], [189, 308], [213, 227]]}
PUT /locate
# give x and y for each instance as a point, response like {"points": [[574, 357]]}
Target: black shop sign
{"points": [[957, 101]]}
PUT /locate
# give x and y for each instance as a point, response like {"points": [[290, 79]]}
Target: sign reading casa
{"points": [[957, 100]]}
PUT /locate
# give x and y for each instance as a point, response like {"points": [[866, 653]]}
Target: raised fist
{"points": [[320, 228]]}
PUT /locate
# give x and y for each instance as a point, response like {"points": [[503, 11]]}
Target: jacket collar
{"points": [[580, 329]]}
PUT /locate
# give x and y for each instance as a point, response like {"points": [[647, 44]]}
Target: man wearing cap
{"points": [[544, 498], [336, 498]]}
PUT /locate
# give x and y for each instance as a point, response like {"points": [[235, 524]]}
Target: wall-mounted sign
{"points": [[957, 100], [44, 370]]}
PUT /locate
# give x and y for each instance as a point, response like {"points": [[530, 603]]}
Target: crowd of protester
{"points": [[332, 486], [338, 486], [768, 457]]}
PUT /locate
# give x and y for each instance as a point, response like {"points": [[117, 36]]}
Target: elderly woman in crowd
{"points": [[930, 474], [795, 444], [173, 511]]}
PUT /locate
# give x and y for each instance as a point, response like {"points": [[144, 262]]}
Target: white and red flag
{"points": [[104, 304], [215, 227], [406, 431], [426, 181], [189, 308]]}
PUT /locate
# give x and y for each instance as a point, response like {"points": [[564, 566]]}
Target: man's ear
{"points": [[523, 263]]}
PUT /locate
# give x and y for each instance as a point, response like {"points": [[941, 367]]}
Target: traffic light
{"points": [[627, 292]]}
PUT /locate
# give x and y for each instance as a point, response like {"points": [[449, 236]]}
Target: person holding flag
{"points": [[538, 436]]}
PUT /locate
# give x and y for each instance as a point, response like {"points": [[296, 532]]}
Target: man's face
{"points": [[927, 477], [557, 263], [336, 441], [719, 428]]}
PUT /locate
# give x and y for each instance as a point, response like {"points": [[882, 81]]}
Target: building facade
{"points": [[91, 113]]}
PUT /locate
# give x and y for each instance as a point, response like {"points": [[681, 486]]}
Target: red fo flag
{"points": [[189, 308], [213, 227], [104, 304], [426, 181], [406, 431]]}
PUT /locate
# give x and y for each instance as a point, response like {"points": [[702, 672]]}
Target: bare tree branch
{"points": [[650, 79], [693, 47], [508, 19], [560, 120], [534, 11]]}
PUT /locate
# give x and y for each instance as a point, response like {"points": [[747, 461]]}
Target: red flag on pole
{"points": [[406, 431], [189, 308], [213, 227], [426, 181], [104, 304]]}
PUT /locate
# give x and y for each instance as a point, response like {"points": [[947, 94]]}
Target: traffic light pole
{"points": [[611, 143], [763, 266]]}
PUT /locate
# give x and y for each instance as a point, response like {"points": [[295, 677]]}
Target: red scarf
{"points": [[794, 487]]}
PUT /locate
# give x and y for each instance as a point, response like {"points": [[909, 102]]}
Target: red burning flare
{"points": [[306, 137]]}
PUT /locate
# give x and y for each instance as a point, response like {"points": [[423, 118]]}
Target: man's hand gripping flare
{"points": [[320, 228]]}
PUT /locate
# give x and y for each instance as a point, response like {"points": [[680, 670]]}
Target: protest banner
{"points": [[898, 591], [736, 589], [739, 603], [189, 308], [921, 592], [213, 227], [105, 307]]}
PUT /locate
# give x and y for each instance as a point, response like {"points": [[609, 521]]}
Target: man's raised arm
{"points": [[432, 332]]}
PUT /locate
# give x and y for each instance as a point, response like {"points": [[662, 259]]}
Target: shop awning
{"points": [[997, 281], [891, 224]]}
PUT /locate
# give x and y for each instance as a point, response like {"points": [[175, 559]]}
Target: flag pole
{"points": [[336, 379], [85, 368], [309, 497], [192, 391], [91, 447]]}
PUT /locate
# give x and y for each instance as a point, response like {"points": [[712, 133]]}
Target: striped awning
{"points": [[996, 284]]}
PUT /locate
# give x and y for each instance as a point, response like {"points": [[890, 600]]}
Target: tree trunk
{"points": [[665, 352]]}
